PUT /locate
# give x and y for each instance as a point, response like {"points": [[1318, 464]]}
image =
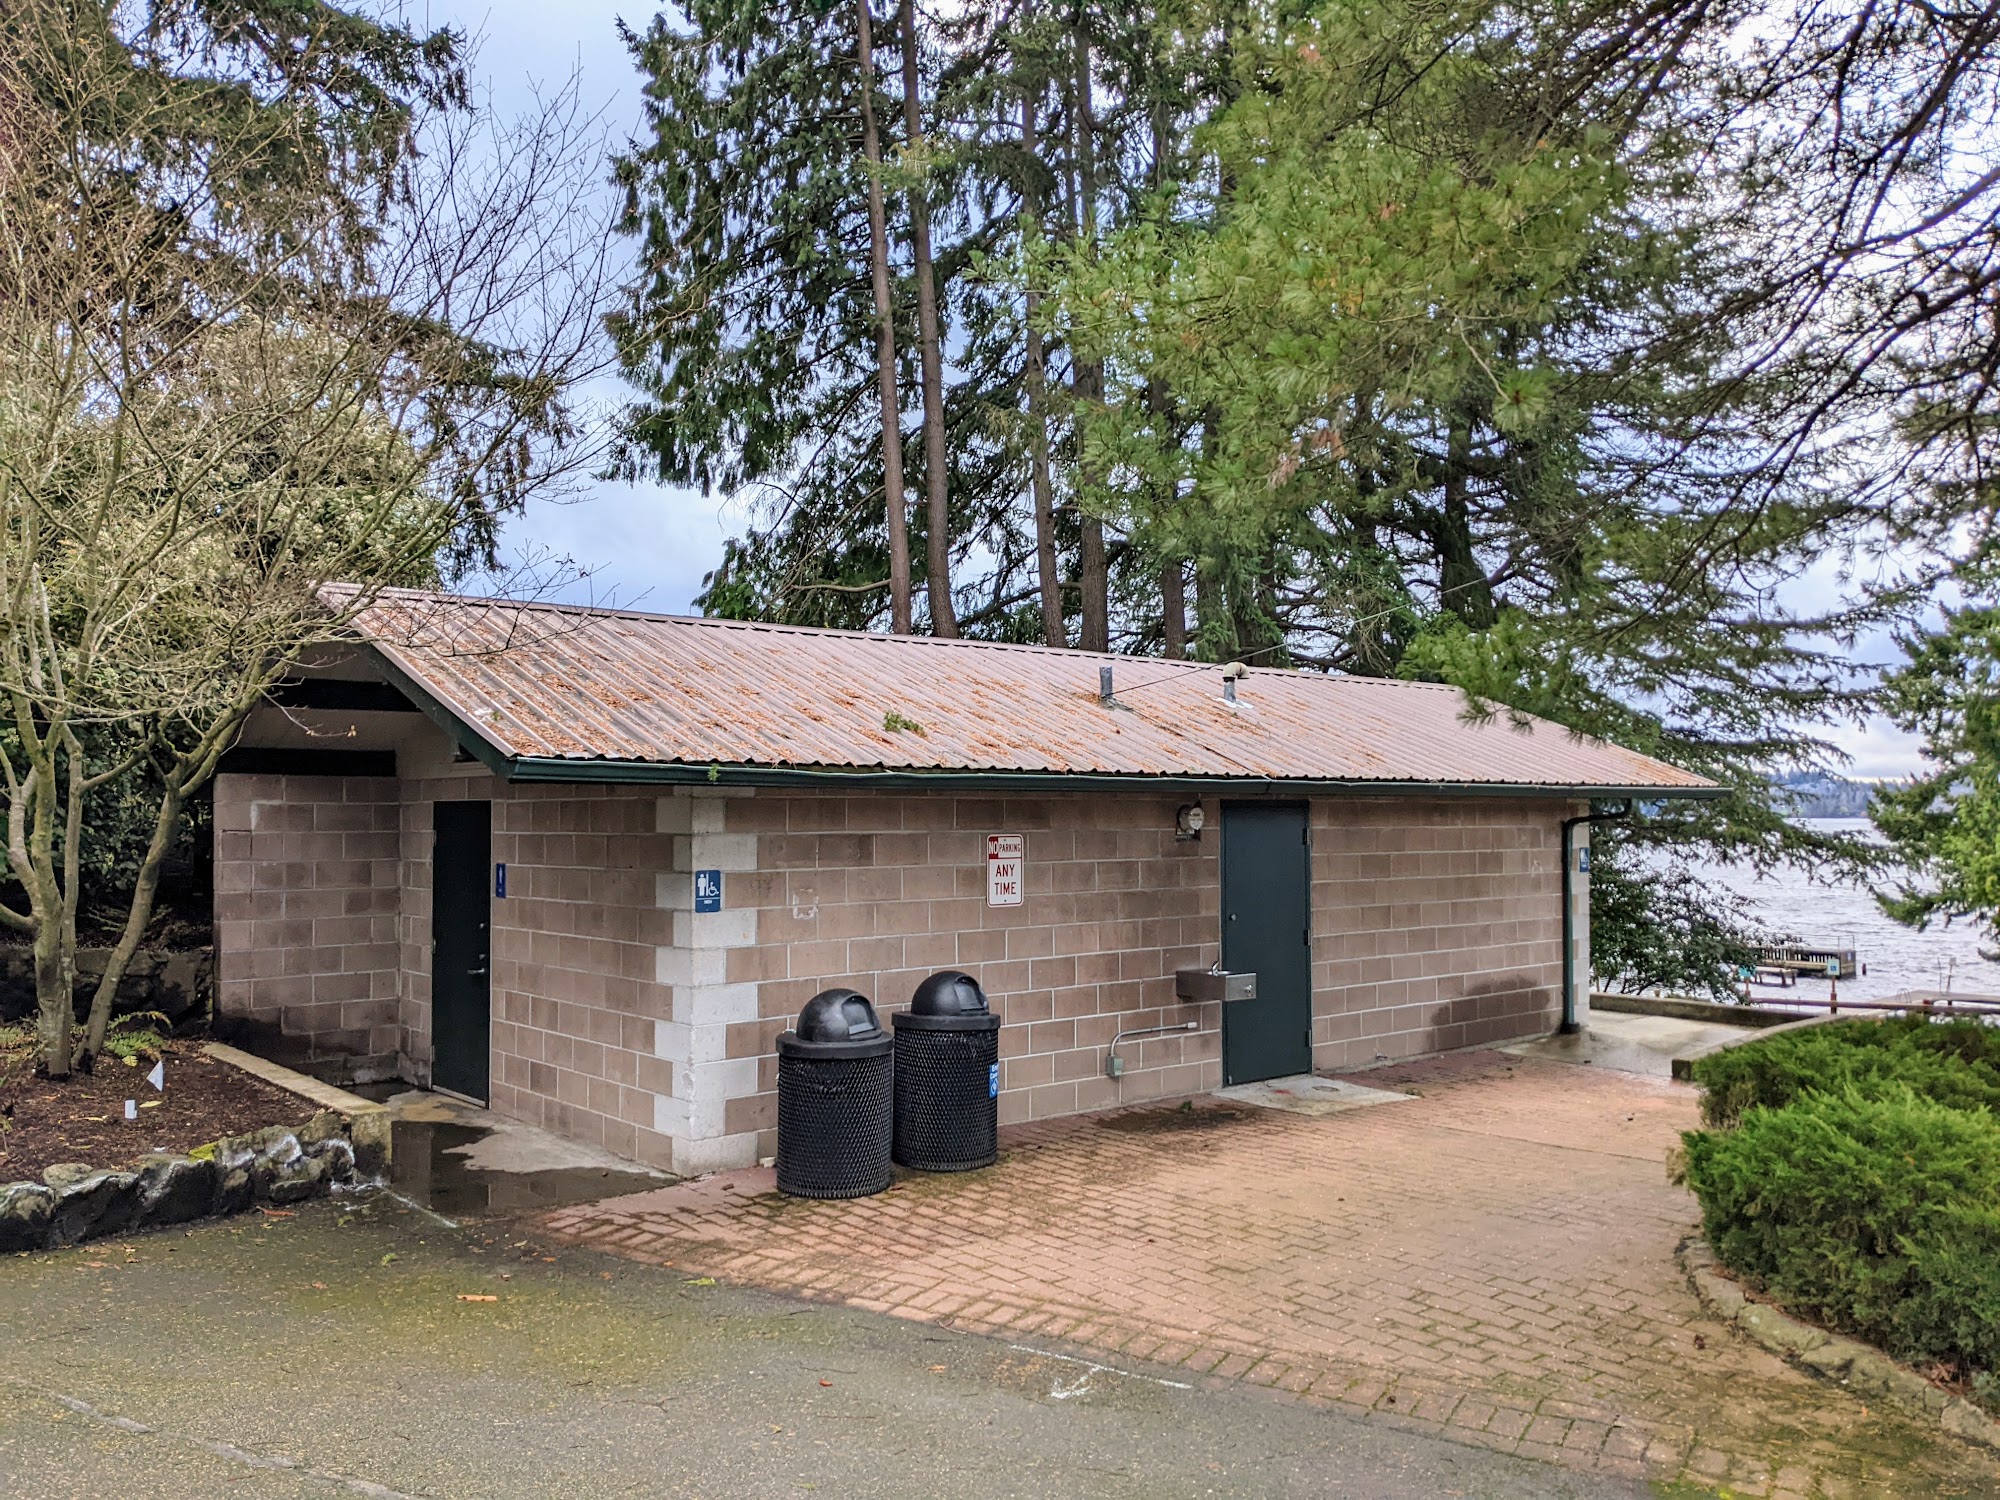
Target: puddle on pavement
{"points": [[430, 1168]]}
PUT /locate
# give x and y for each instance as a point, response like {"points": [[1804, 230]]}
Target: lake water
{"points": [[1846, 916]]}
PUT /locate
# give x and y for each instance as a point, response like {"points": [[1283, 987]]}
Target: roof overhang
{"points": [[580, 772]]}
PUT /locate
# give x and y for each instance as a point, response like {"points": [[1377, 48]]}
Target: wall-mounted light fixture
{"points": [[1188, 823]]}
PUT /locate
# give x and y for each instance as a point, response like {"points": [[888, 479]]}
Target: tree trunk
{"points": [[937, 551], [885, 338], [1216, 639], [1087, 380], [50, 920], [1173, 610], [55, 984], [137, 916], [1035, 380], [1173, 601], [1463, 585]]}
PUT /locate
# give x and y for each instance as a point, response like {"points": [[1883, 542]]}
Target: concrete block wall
{"points": [[307, 884], [1436, 925], [624, 1017], [876, 890], [709, 1002], [577, 1000]]}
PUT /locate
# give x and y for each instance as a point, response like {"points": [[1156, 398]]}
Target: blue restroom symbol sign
{"points": [[708, 890]]}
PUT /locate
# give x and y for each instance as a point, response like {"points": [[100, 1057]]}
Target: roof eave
{"points": [[581, 771], [495, 757], [674, 773]]}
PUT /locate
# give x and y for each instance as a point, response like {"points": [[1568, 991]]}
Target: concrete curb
{"points": [[1683, 1067], [1832, 1356], [368, 1123], [1690, 1010]]}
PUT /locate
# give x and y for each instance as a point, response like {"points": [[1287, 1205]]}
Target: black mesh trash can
{"points": [[835, 1100], [947, 1077]]}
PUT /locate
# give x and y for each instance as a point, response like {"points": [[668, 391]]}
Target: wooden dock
{"points": [[1792, 960]]}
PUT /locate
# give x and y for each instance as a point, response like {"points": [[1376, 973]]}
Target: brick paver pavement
{"points": [[1492, 1261]]}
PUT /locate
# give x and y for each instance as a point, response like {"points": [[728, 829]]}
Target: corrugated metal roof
{"points": [[550, 682]]}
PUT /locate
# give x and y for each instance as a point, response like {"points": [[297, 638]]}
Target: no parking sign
{"points": [[1006, 861]]}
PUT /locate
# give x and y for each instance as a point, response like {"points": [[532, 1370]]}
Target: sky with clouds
{"points": [[647, 546]]}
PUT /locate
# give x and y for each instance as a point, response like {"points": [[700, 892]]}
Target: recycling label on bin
{"points": [[993, 1081]]}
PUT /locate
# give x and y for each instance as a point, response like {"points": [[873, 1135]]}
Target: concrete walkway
{"points": [[1631, 1043], [1492, 1260], [356, 1348]]}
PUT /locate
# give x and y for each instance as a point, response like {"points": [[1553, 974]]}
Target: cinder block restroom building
{"points": [[585, 865]]}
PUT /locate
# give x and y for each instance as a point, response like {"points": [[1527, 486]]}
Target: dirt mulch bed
{"points": [[83, 1118]]}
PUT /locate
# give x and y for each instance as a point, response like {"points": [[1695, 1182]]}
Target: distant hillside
{"points": [[1812, 795]]}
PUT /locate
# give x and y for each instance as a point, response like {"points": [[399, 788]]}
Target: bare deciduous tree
{"points": [[277, 308]]}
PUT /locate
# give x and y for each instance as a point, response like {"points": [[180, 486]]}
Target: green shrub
{"points": [[1951, 1062], [138, 1036], [1875, 1211]]}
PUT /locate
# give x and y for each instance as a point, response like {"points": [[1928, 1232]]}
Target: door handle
{"points": [[475, 973]]}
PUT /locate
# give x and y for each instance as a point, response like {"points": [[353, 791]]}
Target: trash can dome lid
{"points": [[838, 1016], [949, 993]]}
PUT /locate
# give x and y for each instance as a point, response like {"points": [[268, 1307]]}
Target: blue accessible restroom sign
{"points": [[708, 890], [500, 879]]}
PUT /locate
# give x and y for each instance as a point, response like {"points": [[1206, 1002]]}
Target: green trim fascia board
{"points": [[492, 756], [664, 773]]}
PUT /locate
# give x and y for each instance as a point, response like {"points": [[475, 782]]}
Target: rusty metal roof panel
{"points": [[540, 681]]}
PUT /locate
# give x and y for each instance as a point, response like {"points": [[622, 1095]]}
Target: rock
{"points": [[175, 1189], [298, 1179], [1724, 1297], [17, 983], [1834, 1358], [1774, 1330], [324, 1126], [1875, 1372], [1962, 1419], [372, 1135], [63, 1173], [176, 983], [234, 1190], [337, 1157], [261, 1153], [182, 984], [103, 1203], [25, 1211], [256, 1144]]}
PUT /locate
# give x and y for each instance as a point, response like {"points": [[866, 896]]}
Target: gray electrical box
{"points": [[1214, 984]]}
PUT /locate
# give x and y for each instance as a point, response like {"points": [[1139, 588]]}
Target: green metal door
{"points": [[461, 947], [1267, 930]]}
